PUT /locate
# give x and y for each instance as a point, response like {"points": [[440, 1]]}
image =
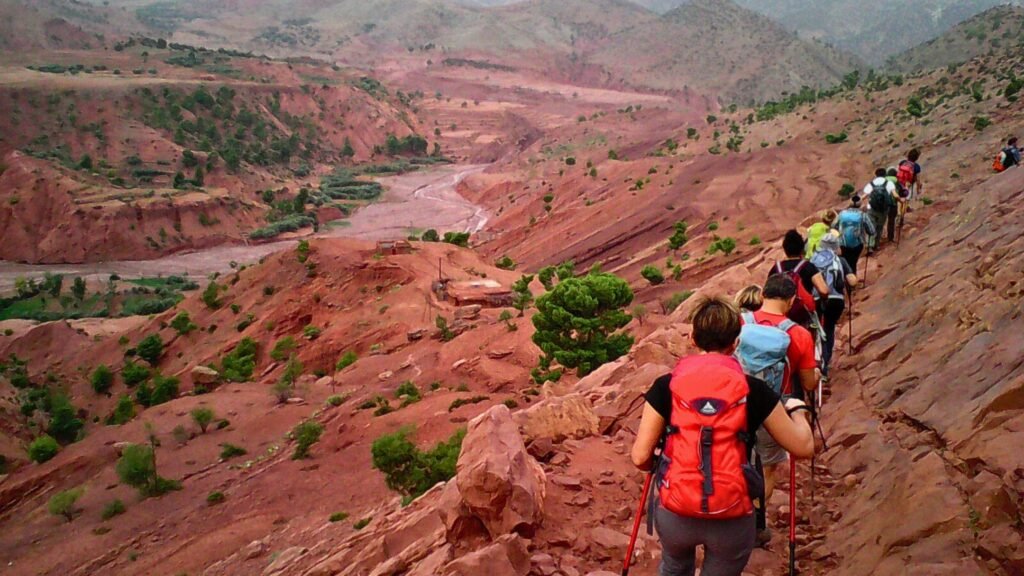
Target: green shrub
{"points": [[202, 416], [102, 379], [336, 400], [42, 449], [723, 245], [670, 304], [836, 138], [150, 349], [347, 359], [183, 324], [408, 470], [123, 412], [755, 241], [65, 425], [137, 468], [338, 517], [678, 237], [112, 509], [457, 238], [981, 122], [238, 365], [229, 451], [511, 404], [305, 434], [653, 275], [215, 497], [363, 523], [505, 263], [63, 503], [134, 374], [847, 190], [927, 201], [431, 235], [311, 332], [283, 348], [211, 295], [460, 402]]}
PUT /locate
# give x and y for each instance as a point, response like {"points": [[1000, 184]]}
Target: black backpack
{"points": [[879, 200]]}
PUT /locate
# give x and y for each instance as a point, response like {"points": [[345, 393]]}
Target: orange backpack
{"points": [[997, 165]]}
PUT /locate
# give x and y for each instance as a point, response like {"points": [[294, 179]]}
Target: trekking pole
{"points": [[636, 524], [851, 322], [792, 516]]}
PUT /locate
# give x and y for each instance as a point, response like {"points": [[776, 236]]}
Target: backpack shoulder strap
{"points": [[778, 267], [799, 267], [748, 318], [786, 324]]}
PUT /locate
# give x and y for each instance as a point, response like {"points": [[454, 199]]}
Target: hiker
{"points": [[854, 229], [1008, 157], [817, 230], [704, 498], [909, 174], [841, 279], [782, 353], [807, 277], [896, 203], [880, 193], [749, 299]]}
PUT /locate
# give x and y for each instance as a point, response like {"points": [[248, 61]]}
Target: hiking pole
{"points": [[851, 322], [792, 516], [636, 524]]}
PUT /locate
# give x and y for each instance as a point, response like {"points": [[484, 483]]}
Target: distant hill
{"points": [[996, 29], [719, 47], [872, 29], [712, 47]]}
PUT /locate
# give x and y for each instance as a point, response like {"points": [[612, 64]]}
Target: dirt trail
{"points": [[414, 201]]}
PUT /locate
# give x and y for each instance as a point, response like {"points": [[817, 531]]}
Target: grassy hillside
{"points": [[995, 29], [872, 29]]}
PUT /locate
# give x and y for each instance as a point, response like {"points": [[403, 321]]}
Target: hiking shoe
{"points": [[764, 537]]}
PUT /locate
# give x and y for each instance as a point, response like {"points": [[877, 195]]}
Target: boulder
{"points": [[284, 561], [507, 556], [468, 312], [325, 382], [565, 417], [416, 335], [203, 376], [608, 538], [500, 483]]}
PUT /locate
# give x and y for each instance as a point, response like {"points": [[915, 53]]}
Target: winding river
{"points": [[413, 202]]}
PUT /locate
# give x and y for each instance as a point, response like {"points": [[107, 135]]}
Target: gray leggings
{"points": [[727, 544]]}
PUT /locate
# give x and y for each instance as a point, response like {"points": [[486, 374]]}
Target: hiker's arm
{"points": [[651, 426], [820, 284], [851, 281], [792, 432], [809, 379]]}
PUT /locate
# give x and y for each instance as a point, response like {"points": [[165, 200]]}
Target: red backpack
{"points": [[706, 471], [906, 175], [998, 165], [804, 305]]}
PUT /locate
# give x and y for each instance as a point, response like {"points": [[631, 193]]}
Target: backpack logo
{"points": [[708, 408]]}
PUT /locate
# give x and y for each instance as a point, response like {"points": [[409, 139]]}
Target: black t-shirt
{"points": [[760, 403], [807, 273]]}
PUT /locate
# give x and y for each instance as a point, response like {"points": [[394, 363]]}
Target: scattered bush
{"points": [[229, 451], [311, 332], [202, 417], [150, 349], [306, 434], [43, 449], [408, 470], [283, 348], [239, 364], [511, 404], [505, 263], [723, 245], [182, 323], [847, 190], [836, 138], [134, 374], [123, 412], [214, 498], [65, 425], [102, 379], [335, 400], [63, 503], [678, 238], [347, 359], [982, 122], [112, 509], [670, 304], [653, 275], [457, 238], [460, 402], [338, 517], [211, 295], [362, 523], [137, 468]]}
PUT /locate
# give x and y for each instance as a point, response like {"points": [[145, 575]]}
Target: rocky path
{"points": [[414, 201]]}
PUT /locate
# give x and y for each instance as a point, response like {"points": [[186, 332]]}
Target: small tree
{"points": [[431, 235], [652, 275], [64, 422], [78, 289], [678, 238], [577, 323], [306, 434], [408, 470], [102, 379], [202, 417], [211, 295], [183, 324], [123, 412], [137, 468], [43, 449], [63, 503], [150, 349], [640, 312], [522, 296]]}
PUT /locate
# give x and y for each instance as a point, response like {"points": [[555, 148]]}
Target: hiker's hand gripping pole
{"points": [[636, 523]]}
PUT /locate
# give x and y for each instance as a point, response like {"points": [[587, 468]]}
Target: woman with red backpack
{"points": [[707, 413]]}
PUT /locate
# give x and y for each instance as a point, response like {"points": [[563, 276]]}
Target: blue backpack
{"points": [[831, 269], [850, 225], [762, 351]]}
